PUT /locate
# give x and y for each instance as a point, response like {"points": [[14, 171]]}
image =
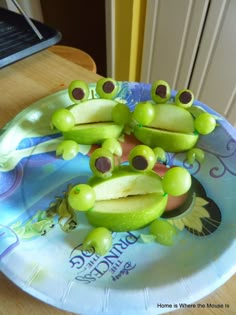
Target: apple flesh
{"points": [[94, 133], [94, 110], [172, 118], [126, 182]]}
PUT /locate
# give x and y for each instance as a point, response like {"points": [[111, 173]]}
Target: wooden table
{"points": [[21, 84]]}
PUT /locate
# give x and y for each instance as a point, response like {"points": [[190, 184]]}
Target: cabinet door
{"points": [[214, 76], [172, 33]]}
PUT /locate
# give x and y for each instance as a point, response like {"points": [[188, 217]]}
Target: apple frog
{"points": [[126, 197], [90, 121], [175, 126]]}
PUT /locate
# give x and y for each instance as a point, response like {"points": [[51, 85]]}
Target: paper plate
{"points": [[134, 277]]}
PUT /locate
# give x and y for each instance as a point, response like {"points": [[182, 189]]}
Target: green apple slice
{"points": [[168, 140], [93, 110], [129, 213], [127, 200], [125, 183], [93, 133], [172, 118]]}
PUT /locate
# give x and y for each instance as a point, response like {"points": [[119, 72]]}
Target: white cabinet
{"points": [[172, 33], [192, 43], [214, 73]]}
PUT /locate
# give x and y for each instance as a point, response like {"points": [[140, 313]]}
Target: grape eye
{"points": [[139, 163], [103, 164], [78, 91], [142, 158], [184, 98], [108, 87], [161, 91], [78, 94]]}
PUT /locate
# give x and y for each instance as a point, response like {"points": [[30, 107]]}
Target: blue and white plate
{"points": [[134, 277]]}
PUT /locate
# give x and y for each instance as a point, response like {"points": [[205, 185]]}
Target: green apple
{"points": [[127, 200], [93, 110], [93, 122], [128, 213], [172, 129], [168, 140], [93, 133]]}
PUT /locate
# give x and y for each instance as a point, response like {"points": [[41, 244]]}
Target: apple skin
{"points": [[127, 214], [93, 133], [167, 140]]}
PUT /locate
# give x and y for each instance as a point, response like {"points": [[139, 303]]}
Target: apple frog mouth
{"points": [[171, 128], [127, 200], [93, 122]]}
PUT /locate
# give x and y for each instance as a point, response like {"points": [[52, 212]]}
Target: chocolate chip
{"points": [[103, 164], [108, 87], [139, 163], [185, 97], [78, 93], [161, 91]]}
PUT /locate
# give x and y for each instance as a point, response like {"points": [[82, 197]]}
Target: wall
{"points": [[129, 30], [82, 24]]}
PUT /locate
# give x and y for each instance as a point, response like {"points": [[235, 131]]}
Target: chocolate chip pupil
{"points": [[103, 164], [185, 97], [161, 91], [140, 163], [108, 87], [78, 93]]}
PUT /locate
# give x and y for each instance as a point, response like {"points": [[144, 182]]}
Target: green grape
{"points": [[81, 197], [142, 158], [164, 232], [107, 88], [78, 91], [160, 154], [195, 154], [205, 123], [113, 145], [121, 114], [62, 119], [160, 91], [143, 113], [99, 239], [68, 149], [102, 163], [184, 98], [176, 181]]}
